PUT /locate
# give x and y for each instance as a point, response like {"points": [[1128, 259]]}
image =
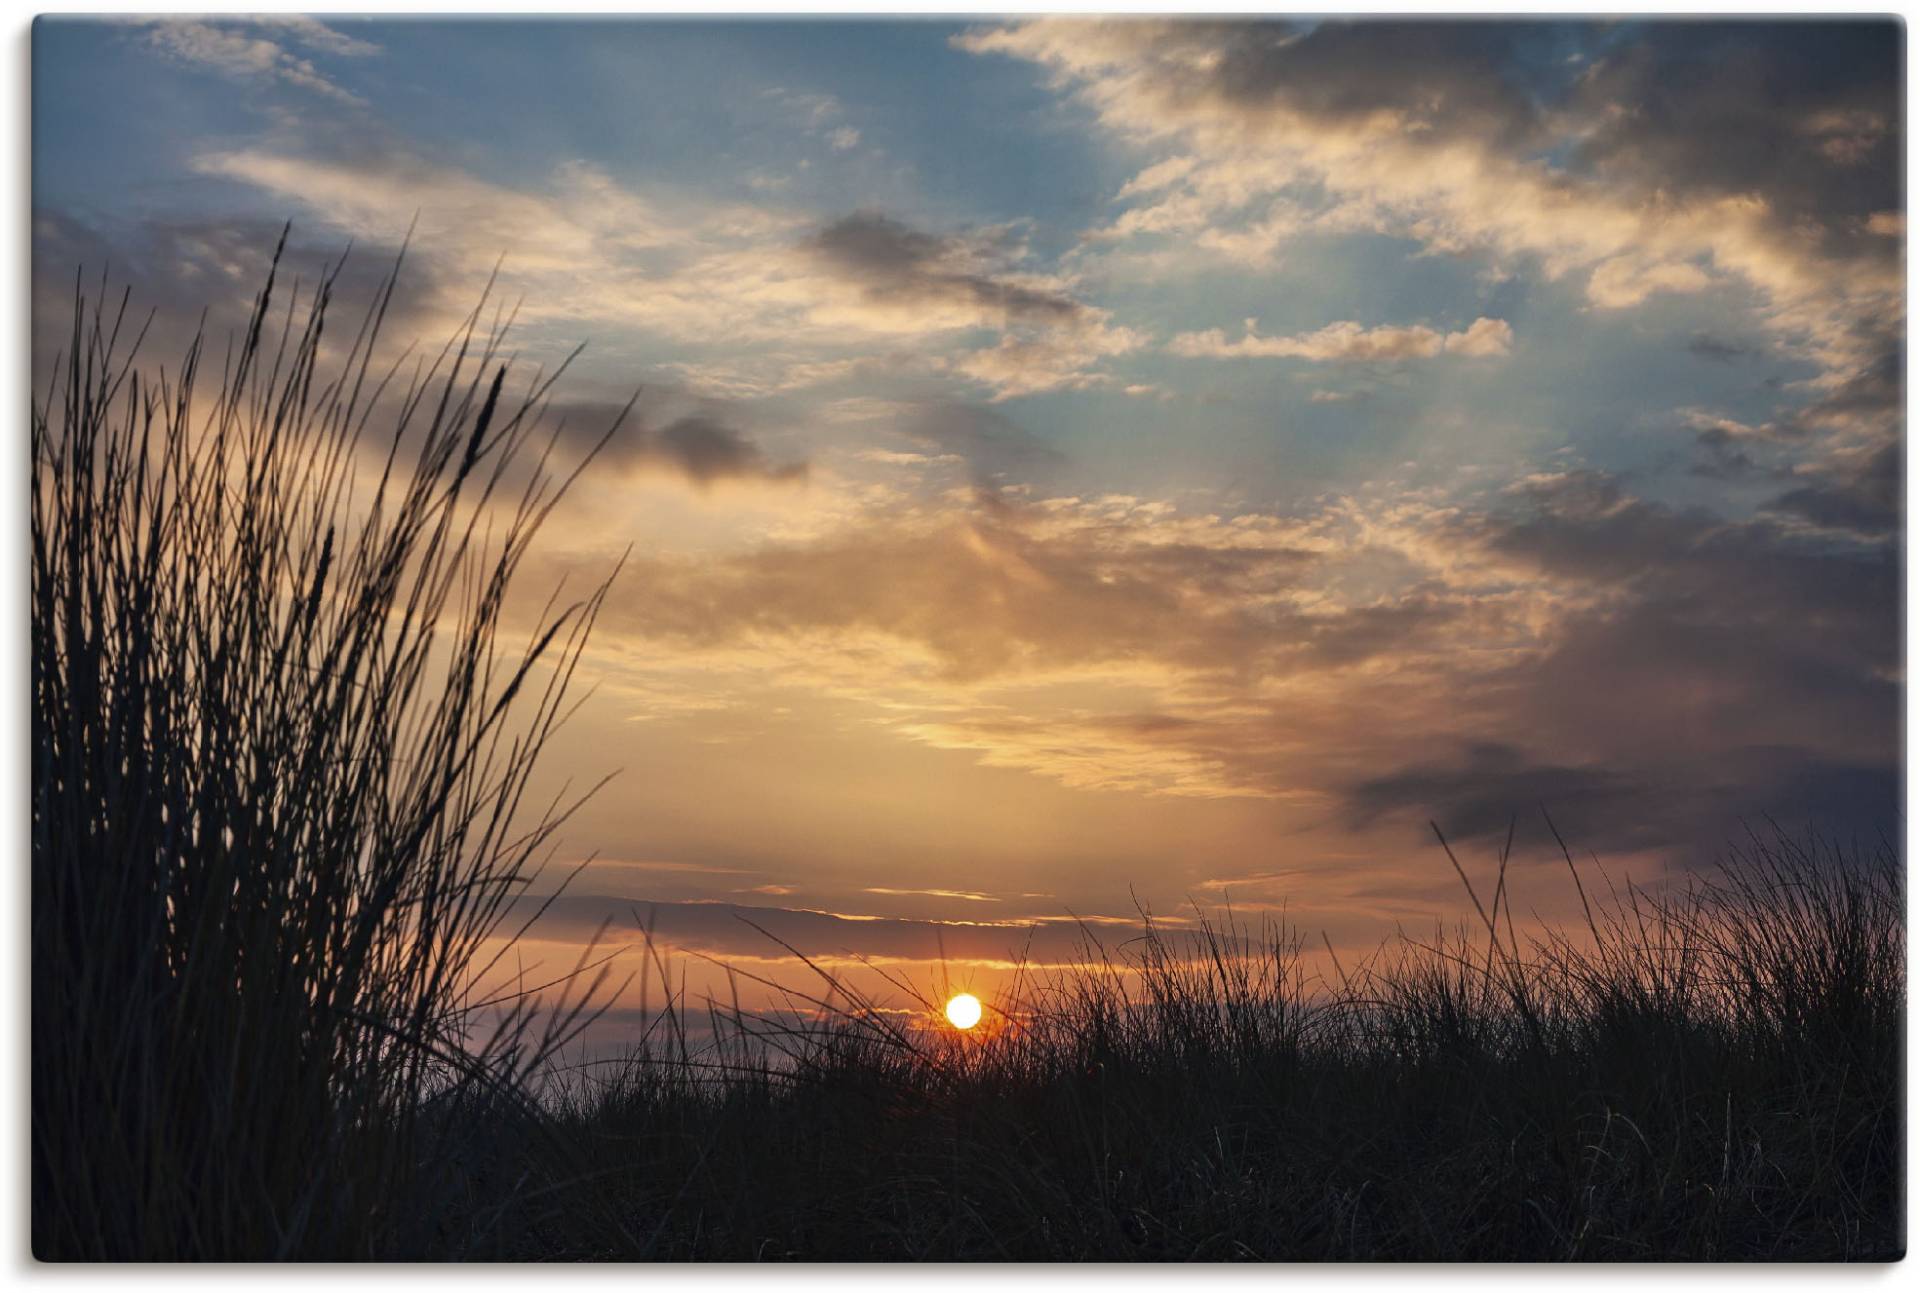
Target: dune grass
{"points": [[280, 752], [1708, 1073]]}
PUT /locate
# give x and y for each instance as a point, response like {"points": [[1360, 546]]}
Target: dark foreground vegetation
{"points": [[279, 754], [1713, 1074]]}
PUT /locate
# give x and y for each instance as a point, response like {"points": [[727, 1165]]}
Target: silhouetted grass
{"points": [[1711, 1072], [278, 755], [278, 761]]}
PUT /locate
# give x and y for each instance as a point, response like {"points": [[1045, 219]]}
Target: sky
{"points": [[1085, 467]]}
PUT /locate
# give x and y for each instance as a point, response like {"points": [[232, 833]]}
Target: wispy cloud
{"points": [[962, 894], [1349, 342], [586, 248], [256, 49]]}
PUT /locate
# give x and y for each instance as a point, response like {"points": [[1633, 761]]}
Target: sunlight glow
{"points": [[963, 1012]]}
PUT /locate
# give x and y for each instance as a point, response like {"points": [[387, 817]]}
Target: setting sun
{"points": [[963, 1012]]}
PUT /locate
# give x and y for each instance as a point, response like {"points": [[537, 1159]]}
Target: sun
{"points": [[963, 1012]]}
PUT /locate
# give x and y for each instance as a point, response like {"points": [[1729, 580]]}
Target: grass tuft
{"points": [[279, 753]]}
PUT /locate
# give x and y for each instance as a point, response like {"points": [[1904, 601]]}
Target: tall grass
{"points": [[279, 752], [1706, 1072]]}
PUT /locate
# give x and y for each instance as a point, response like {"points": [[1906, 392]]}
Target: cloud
{"points": [[1724, 662], [1717, 429], [1483, 339], [1621, 281], [738, 931], [1803, 115], [1642, 159], [1174, 635], [237, 50], [207, 273], [995, 588], [1651, 673], [820, 115], [1349, 342], [1688, 673], [375, 186], [1060, 360], [964, 895], [1050, 340], [697, 446], [208, 270], [1445, 78], [707, 451], [897, 267], [1488, 785], [315, 34], [1718, 349], [780, 298], [997, 450], [1862, 498], [1485, 790]]}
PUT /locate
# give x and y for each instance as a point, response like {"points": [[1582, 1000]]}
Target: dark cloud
{"points": [[1722, 670], [706, 451], [898, 265], [1873, 395], [188, 271], [1741, 577], [723, 930], [1721, 458], [1863, 499], [1478, 80], [1485, 790], [1370, 632], [1730, 450], [1805, 115], [1487, 786], [1718, 349], [871, 243], [994, 446], [700, 445], [1849, 439]]}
